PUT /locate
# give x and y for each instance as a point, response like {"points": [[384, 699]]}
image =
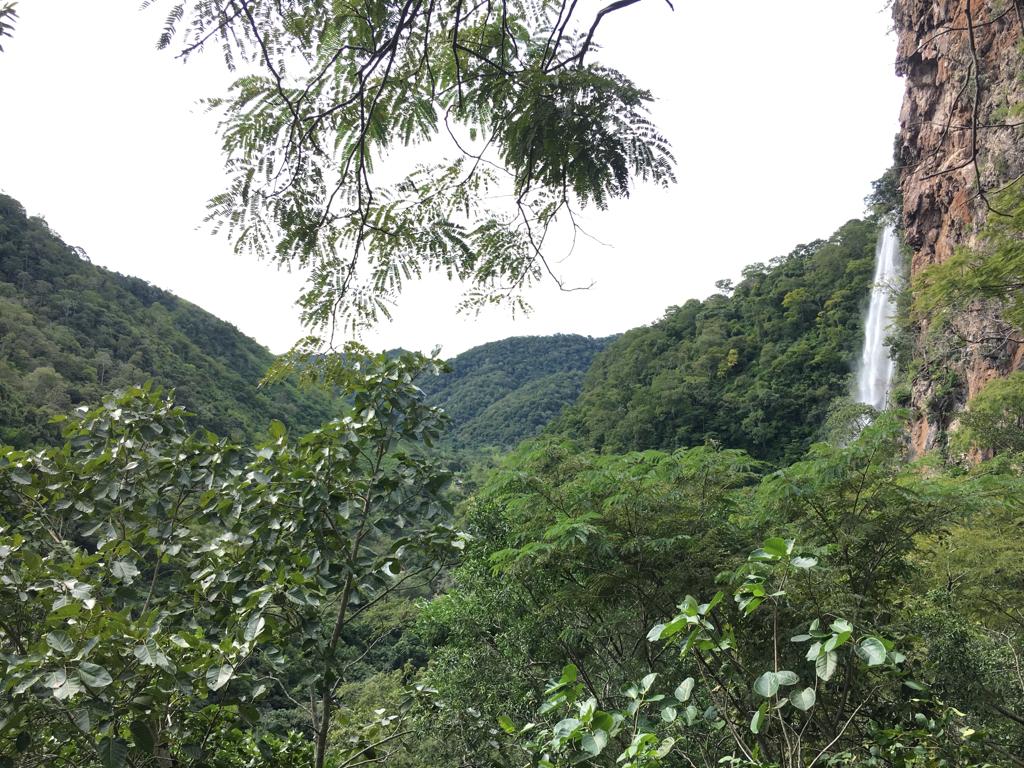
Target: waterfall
{"points": [[874, 375]]}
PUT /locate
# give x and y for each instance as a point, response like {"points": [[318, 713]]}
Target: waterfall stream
{"points": [[874, 375]]}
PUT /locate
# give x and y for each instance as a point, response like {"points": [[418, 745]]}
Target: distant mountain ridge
{"points": [[500, 393], [754, 367], [71, 331]]}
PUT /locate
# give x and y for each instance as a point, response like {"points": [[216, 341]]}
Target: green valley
{"points": [[776, 527]]}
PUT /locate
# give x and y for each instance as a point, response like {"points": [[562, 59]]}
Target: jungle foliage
{"points": [[746, 598], [71, 331], [160, 585], [501, 393], [171, 597], [709, 612], [754, 367]]}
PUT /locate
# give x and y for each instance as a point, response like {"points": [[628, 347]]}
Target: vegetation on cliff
{"points": [[994, 270], [755, 367]]}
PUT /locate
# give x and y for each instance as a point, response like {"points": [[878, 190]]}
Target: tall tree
{"points": [[160, 585]]}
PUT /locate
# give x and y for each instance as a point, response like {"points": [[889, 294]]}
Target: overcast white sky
{"points": [[781, 113]]}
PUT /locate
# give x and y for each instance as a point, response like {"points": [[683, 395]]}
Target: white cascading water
{"points": [[874, 376]]}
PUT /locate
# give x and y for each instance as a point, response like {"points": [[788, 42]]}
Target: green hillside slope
{"points": [[754, 367], [502, 392], [71, 331]]}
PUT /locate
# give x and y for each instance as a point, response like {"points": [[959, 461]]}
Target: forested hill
{"points": [[502, 392], [754, 367], [71, 331]]}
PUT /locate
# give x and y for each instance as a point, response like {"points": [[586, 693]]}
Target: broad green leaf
{"points": [[684, 689], [750, 604], [565, 728], [803, 700], [60, 642], [69, 688], [777, 547], [873, 651], [569, 674], [82, 720], [112, 752], [27, 682], [785, 677], [124, 570], [839, 626], [20, 477], [149, 653], [218, 676], [648, 681], [669, 714], [665, 747], [767, 685], [825, 666], [142, 735], [804, 562], [757, 721], [56, 678], [506, 724], [655, 634], [836, 640], [594, 743], [93, 675], [254, 627], [673, 628]]}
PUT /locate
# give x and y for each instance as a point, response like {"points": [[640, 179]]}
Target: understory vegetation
{"points": [[175, 598]]}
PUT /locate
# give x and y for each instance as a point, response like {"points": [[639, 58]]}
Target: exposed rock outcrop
{"points": [[963, 65]]}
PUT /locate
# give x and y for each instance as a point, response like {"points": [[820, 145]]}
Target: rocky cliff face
{"points": [[963, 66]]}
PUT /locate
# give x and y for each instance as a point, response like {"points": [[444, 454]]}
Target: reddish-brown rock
{"points": [[953, 142]]}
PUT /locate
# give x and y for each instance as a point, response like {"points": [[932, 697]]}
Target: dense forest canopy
{"points": [[501, 393], [677, 576], [71, 331], [755, 367], [175, 597]]}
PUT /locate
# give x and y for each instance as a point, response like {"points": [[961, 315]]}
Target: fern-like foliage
{"points": [[330, 89], [8, 13]]}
